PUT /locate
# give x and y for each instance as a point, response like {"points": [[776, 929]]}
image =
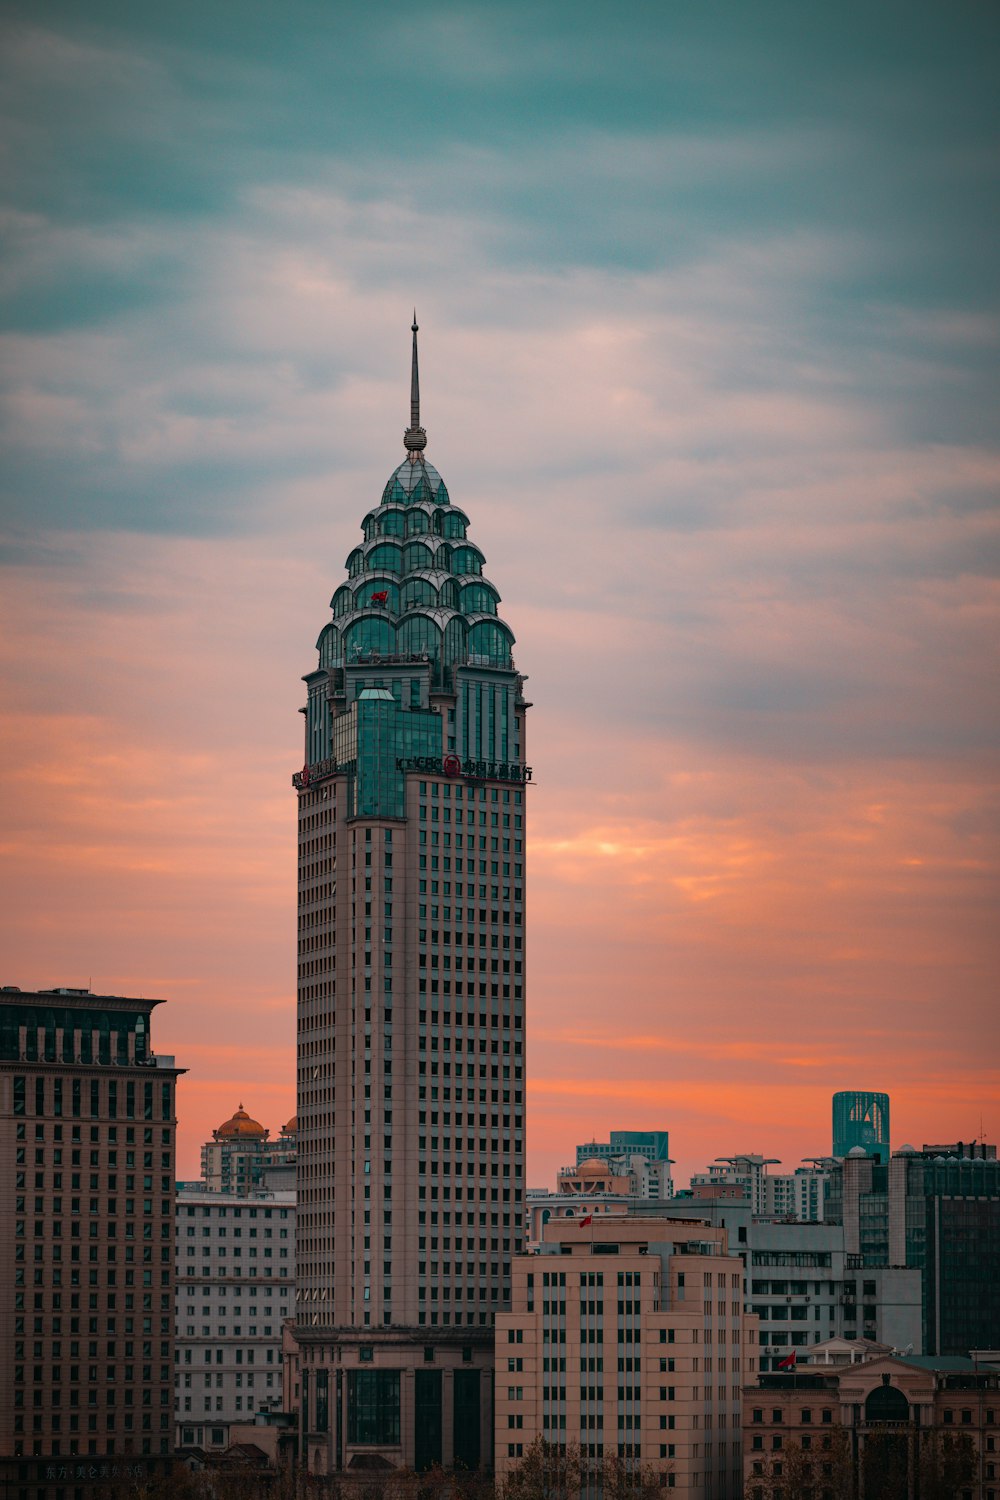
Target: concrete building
{"points": [[411, 816], [654, 1145], [861, 1119], [876, 1425], [806, 1288], [629, 1337], [802, 1285], [235, 1277], [937, 1211], [240, 1151], [88, 1127], [786, 1195]]}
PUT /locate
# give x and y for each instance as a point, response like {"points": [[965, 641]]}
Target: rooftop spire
{"points": [[414, 438]]}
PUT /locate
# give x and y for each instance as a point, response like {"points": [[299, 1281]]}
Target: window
{"points": [[373, 1406]]}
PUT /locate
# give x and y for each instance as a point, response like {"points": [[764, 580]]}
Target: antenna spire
{"points": [[414, 438]]}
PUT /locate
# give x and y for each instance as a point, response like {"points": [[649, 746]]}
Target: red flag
{"points": [[588, 1220], [380, 597], [788, 1363]]}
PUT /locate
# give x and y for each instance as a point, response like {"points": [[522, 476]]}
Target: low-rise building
{"points": [[874, 1423], [235, 1278], [628, 1336]]}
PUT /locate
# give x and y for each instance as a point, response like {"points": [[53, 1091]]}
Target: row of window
{"points": [[98, 1098]]}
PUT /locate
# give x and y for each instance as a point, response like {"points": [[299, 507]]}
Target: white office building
{"points": [[235, 1265]]}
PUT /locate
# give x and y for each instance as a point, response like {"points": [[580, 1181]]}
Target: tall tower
{"points": [[411, 808]]}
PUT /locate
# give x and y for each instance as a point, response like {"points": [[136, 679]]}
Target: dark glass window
{"points": [[373, 1406]]}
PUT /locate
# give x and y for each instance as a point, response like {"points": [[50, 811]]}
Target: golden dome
{"points": [[593, 1165], [292, 1126], [240, 1125]]}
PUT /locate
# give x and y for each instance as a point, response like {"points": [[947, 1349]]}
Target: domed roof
{"points": [[593, 1164], [414, 480], [291, 1127], [857, 1151], [240, 1125]]}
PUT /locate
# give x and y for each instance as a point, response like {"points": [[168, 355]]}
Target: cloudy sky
{"points": [[708, 298]]}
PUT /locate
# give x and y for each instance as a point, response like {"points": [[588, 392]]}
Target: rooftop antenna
{"points": [[414, 438]]}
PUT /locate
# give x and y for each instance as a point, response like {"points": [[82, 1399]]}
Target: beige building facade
{"points": [[629, 1338]]}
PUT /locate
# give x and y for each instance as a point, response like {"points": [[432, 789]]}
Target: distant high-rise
{"points": [[653, 1144], [411, 816], [861, 1119]]}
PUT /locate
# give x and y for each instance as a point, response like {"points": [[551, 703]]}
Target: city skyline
{"points": [[706, 318]]}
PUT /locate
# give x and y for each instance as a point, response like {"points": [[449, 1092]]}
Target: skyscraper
{"points": [[411, 808], [861, 1118]]}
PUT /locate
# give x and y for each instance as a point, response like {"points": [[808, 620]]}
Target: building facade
{"points": [[784, 1195], [87, 1143], [235, 1277], [411, 815], [802, 1285], [861, 1119], [883, 1428], [629, 1338], [938, 1212]]}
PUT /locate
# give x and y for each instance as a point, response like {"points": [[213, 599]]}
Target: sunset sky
{"points": [[709, 350]]}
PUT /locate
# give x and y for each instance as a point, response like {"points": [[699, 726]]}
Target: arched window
{"points": [[342, 601], [370, 636], [886, 1403], [329, 646], [452, 524], [418, 634], [417, 555], [466, 559], [454, 641], [416, 591], [355, 563], [392, 523], [479, 599], [384, 557], [449, 594], [417, 523], [366, 595], [491, 642]]}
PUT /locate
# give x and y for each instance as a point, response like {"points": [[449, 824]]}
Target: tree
{"points": [[946, 1464], [550, 1471], [796, 1473], [885, 1463], [547, 1471]]}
